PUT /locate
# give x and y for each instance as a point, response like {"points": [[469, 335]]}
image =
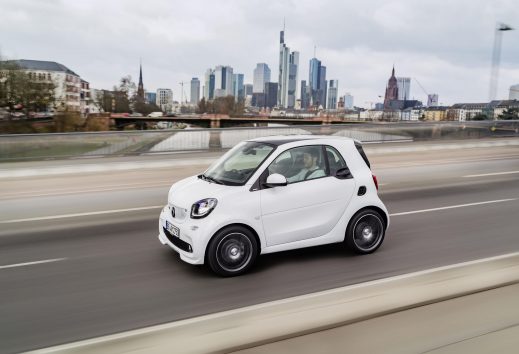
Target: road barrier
{"points": [[73, 145], [288, 318]]}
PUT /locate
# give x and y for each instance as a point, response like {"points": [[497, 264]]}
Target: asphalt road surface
{"points": [[77, 262]]}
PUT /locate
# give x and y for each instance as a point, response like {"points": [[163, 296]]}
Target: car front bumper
{"points": [[189, 243]]}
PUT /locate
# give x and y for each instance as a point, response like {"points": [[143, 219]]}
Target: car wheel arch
{"points": [[248, 227], [369, 207]]}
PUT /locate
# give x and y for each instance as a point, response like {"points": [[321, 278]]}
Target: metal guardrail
{"points": [[70, 145]]}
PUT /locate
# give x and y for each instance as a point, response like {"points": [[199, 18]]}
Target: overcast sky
{"points": [[445, 45]]}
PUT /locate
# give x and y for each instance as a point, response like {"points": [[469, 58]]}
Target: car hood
{"points": [[192, 189]]}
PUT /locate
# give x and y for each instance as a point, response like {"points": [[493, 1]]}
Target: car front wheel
{"points": [[365, 232], [232, 251]]}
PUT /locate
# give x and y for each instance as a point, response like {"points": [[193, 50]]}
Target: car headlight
{"points": [[203, 207]]}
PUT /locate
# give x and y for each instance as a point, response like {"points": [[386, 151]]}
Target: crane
{"points": [[419, 84], [181, 83]]}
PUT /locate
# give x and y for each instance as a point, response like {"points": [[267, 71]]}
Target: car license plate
{"points": [[175, 231]]}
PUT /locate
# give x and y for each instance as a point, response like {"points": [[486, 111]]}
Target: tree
{"points": [[23, 90], [222, 105], [202, 106], [140, 106], [480, 116], [509, 114], [127, 86]]}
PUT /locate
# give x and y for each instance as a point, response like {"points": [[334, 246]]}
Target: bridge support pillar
{"points": [[215, 141], [215, 123]]}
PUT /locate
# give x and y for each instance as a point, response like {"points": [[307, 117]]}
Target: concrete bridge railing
{"points": [[71, 145]]}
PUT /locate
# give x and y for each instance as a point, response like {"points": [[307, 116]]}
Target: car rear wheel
{"points": [[232, 251], [365, 232]]}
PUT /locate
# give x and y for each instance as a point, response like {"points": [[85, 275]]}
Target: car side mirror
{"points": [[276, 180], [343, 173]]}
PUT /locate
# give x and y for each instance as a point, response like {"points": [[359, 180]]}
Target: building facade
{"points": [[305, 95], [223, 79], [348, 101], [151, 97], [209, 84], [271, 94], [465, 111], [237, 86], [435, 113], [514, 92], [165, 99], [404, 88], [195, 91], [317, 84], [67, 84], [432, 100], [85, 103], [333, 92], [261, 76]]}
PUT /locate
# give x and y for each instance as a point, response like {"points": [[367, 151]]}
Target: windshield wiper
{"points": [[210, 179]]}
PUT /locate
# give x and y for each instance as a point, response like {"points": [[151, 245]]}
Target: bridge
{"points": [[224, 121]]}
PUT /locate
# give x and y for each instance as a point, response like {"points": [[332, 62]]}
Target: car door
{"points": [[305, 208]]}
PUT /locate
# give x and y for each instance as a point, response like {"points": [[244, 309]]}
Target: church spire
{"points": [[140, 88]]}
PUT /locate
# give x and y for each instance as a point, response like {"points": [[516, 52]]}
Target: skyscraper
{"points": [[348, 101], [391, 90], [195, 91], [288, 65], [261, 76], [237, 86], [514, 92], [248, 88], [271, 94], [404, 88], [333, 93], [151, 97], [223, 78], [209, 84], [317, 83], [305, 96]]}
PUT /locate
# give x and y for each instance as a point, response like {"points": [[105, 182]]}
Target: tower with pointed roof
{"points": [[391, 90], [140, 87]]}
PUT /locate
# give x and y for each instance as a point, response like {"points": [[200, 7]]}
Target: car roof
{"points": [[285, 139]]}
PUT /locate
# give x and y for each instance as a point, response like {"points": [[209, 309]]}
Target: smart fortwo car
{"points": [[275, 194]]}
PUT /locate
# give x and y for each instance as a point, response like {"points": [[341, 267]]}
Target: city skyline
{"points": [[183, 42]]}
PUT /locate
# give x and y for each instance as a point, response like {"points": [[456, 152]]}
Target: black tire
{"points": [[365, 232], [232, 251]]}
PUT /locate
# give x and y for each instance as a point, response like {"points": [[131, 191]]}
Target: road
{"points": [[106, 272]]}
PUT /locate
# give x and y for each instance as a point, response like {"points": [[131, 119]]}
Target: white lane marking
{"points": [[492, 174], [453, 207], [31, 263], [262, 306], [52, 217], [82, 191], [102, 167]]}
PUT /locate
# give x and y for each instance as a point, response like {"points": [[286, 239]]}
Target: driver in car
{"points": [[310, 168]]}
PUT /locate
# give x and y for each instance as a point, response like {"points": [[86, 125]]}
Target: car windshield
{"points": [[238, 164]]}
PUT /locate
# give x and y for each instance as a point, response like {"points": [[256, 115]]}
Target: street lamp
{"points": [[496, 55]]}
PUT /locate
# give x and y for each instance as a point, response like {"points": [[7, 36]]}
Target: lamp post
{"points": [[496, 56]]}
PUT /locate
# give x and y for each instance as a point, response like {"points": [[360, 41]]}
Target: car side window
{"points": [[335, 160], [300, 164]]}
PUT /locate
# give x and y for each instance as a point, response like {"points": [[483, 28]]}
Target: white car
{"points": [[275, 194]]}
